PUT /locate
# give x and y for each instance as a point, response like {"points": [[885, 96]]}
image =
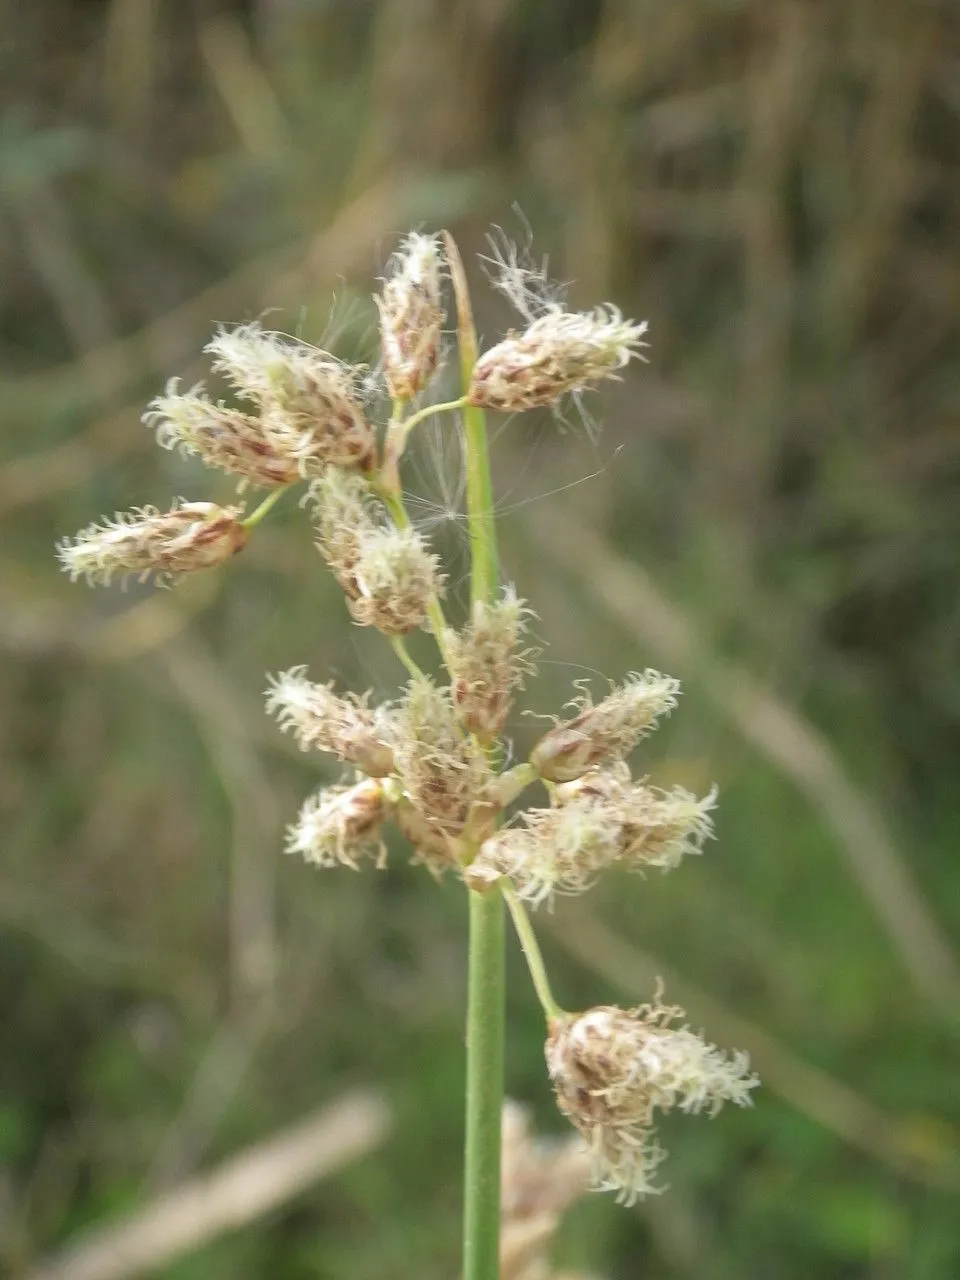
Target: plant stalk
{"points": [[531, 950], [485, 1004], [486, 968]]}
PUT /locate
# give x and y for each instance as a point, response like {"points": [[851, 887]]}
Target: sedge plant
{"points": [[434, 762]]}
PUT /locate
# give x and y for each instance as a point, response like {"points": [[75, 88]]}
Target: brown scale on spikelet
{"points": [[145, 541], [221, 437]]}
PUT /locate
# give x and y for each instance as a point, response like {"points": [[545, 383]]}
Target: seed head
{"points": [[612, 1069], [411, 317], [308, 400], [560, 352], [558, 850], [486, 665], [343, 505], [396, 577], [222, 437], [600, 820], [387, 574], [443, 771], [145, 541], [340, 824], [435, 850], [344, 726], [607, 732], [659, 828]]}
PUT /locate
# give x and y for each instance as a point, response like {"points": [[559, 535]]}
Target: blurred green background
{"points": [[770, 513]]}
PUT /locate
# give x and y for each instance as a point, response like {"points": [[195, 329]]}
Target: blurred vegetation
{"points": [[770, 513]]}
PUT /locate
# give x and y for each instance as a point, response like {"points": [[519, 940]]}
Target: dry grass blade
{"points": [[781, 734], [240, 1191]]}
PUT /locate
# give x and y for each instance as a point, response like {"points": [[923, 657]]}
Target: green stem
{"points": [[485, 1004], [429, 409], [511, 783], [531, 950], [487, 983], [398, 433], [255, 516]]}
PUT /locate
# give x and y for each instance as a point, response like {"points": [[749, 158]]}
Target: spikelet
{"points": [[486, 665], [145, 541], [411, 317], [341, 824], [541, 1178], [395, 578], [556, 851], [612, 1069], [343, 504], [222, 437], [309, 401], [599, 821], [443, 771], [432, 848], [387, 574], [607, 732], [560, 352], [344, 726]]}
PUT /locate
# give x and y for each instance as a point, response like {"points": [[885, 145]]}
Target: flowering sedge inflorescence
{"points": [[429, 761]]}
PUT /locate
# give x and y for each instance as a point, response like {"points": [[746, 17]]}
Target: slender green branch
{"points": [[255, 516], [531, 950], [428, 410], [512, 782], [403, 653], [398, 433]]}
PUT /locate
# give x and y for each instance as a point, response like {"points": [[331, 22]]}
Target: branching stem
{"points": [[255, 516], [531, 950], [399, 647]]}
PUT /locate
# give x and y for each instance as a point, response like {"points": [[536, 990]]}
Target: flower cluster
{"points": [[145, 542], [415, 763], [487, 664], [307, 411], [387, 574], [612, 1069], [411, 316], [559, 353], [602, 819], [433, 760], [608, 732]]}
